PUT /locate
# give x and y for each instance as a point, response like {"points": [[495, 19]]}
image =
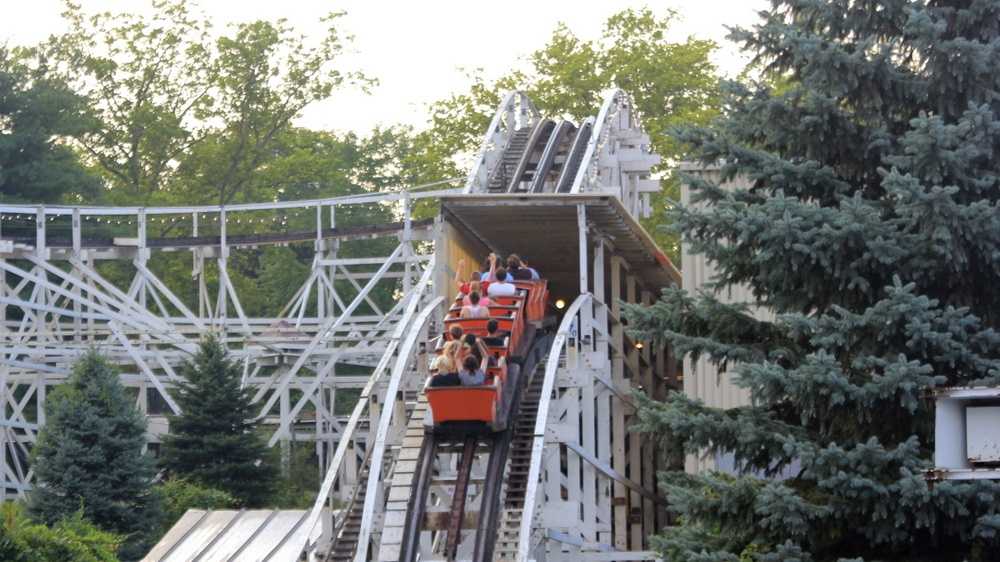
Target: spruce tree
{"points": [[871, 229], [213, 442], [89, 456]]}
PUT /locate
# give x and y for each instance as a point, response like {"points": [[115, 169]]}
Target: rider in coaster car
{"points": [[473, 371], [447, 374], [475, 308], [518, 271]]}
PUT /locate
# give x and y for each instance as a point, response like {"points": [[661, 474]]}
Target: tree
{"points": [[213, 442], [148, 81], [870, 229], [72, 539], [89, 457], [671, 83], [185, 115], [38, 115]]}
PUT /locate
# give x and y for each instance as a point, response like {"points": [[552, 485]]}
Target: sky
{"points": [[418, 50]]}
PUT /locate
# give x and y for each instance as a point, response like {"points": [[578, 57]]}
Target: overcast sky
{"points": [[416, 49]]}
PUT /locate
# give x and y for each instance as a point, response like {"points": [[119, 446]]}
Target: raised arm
{"points": [[493, 268], [458, 271]]}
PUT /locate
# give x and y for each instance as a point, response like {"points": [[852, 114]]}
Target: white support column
{"points": [[77, 308], [634, 439], [285, 439], [333, 252], [407, 241], [615, 413], [4, 335], [41, 252], [222, 303], [141, 256], [648, 447], [321, 297]]}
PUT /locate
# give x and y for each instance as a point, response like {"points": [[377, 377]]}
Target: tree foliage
{"points": [[39, 113], [184, 114], [88, 457], [870, 228], [72, 539], [213, 442]]}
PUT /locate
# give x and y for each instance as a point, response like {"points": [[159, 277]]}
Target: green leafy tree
{"points": [[179, 495], [871, 230], [184, 114], [89, 457], [264, 75], [213, 442], [39, 114], [72, 539], [149, 82]]}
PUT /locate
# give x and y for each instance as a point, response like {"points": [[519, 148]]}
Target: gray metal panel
{"points": [[269, 537], [200, 536], [175, 534], [236, 536]]}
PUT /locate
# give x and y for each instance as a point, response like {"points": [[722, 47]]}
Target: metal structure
{"points": [[568, 480]]}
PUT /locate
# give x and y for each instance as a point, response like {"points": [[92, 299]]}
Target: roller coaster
{"points": [[549, 470]]}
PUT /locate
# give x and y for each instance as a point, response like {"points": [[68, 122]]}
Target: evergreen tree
{"points": [[871, 229], [89, 456], [213, 441]]}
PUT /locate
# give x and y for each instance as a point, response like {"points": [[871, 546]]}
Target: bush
{"points": [[179, 495], [73, 539]]}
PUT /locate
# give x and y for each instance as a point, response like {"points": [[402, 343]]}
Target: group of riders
{"points": [[465, 357]]}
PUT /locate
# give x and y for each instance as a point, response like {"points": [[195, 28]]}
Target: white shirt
{"points": [[501, 289]]}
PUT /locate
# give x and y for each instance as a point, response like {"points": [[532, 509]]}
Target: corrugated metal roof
{"points": [[231, 536]]}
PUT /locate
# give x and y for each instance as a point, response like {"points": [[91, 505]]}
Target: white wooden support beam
{"points": [[322, 333], [616, 413]]}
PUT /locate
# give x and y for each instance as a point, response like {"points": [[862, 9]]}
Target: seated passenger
{"points": [[516, 269], [453, 349], [447, 374], [475, 309], [476, 287], [502, 287], [455, 333], [494, 337], [473, 371]]}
